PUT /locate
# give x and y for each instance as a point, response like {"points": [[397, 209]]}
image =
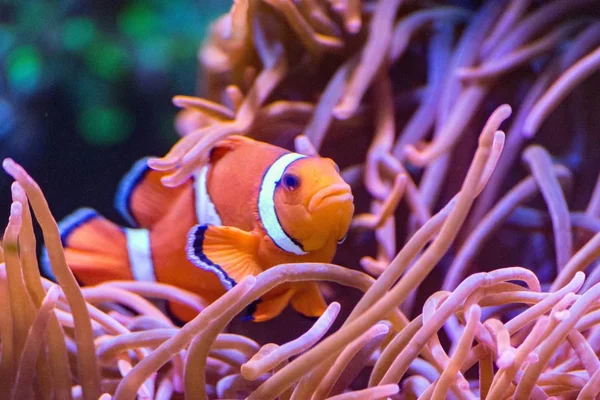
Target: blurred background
{"points": [[86, 88]]}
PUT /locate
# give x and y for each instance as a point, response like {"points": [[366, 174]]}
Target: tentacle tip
{"points": [[178, 384], [338, 7], [145, 392], [344, 110], [176, 178], [7, 161], [570, 297], [364, 221], [168, 181], [506, 359], [54, 293], [177, 101], [17, 191], [416, 157], [499, 137], [152, 162], [160, 164], [562, 315], [464, 73], [382, 328], [504, 364], [248, 372], [372, 266], [394, 389], [528, 131], [505, 111], [10, 166], [353, 25], [475, 311], [400, 180], [533, 358], [16, 209], [304, 145], [530, 151]]}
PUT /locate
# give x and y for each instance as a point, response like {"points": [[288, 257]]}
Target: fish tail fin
{"points": [[95, 248], [142, 199]]}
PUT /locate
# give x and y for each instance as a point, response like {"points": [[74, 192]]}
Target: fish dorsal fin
{"points": [[309, 301], [142, 199], [226, 145], [266, 309], [229, 252]]}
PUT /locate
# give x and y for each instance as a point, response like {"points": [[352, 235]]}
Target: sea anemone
{"points": [[474, 286]]}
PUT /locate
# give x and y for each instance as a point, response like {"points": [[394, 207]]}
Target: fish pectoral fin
{"points": [[229, 252], [309, 301], [266, 309]]}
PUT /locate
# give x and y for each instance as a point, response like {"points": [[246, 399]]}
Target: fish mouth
{"points": [[336, 193]]}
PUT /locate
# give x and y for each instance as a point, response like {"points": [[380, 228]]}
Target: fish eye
{"points": [[290, 181]]}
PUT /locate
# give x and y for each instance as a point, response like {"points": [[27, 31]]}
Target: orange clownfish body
{"points": [[252, 207]]}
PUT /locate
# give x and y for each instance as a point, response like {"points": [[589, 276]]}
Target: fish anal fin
{"points": [[266, 309], [309, 301], [229, 252]]}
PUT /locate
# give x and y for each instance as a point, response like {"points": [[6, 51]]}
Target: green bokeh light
{"points": [[35, 16], [107, 60], [77, 33], [24, 68], [104, 126], [98, 53], [7, 38], [155, 54], [137, 21], [184, 49], [90, 91]]}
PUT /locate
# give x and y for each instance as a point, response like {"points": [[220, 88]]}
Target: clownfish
{"points": [[253, 206]]}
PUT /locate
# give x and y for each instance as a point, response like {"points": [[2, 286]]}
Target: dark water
{"points": [[86, 88]]}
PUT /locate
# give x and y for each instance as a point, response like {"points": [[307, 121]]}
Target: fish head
{"points": [[313, 203]]}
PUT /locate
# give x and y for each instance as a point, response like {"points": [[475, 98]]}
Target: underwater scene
{"points": [[300, 199]]}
